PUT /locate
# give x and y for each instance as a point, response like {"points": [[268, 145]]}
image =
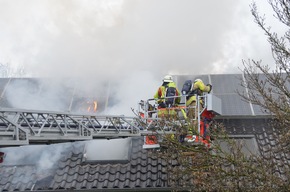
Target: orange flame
{"points": [[92, 106], [95, 106]]}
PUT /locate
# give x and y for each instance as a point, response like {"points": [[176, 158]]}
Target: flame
{"points": [[92, 106], [95, 106]]}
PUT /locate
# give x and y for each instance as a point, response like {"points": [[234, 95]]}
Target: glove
{"points": [[210, 87]]}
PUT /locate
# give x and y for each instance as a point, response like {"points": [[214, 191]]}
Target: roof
{"points": [[70, 171], [64, 166], [142, 171], [225, 87], [37, 94]]}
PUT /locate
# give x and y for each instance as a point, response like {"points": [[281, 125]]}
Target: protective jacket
{"points": [[198, 88], [201, 86], [161, 94]]}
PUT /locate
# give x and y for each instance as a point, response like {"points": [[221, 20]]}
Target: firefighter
{"points": [[197, 88], [167, 94], [161, 92]]}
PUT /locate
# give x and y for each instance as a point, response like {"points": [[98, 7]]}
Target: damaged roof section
{"points": [[51, 95]]}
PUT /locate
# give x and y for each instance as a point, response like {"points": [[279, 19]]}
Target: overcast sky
{"points": [[130, 40]]}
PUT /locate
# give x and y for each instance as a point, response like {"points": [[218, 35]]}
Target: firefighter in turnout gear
{"points": [[193, 90], [198, 87], [167, 95]]}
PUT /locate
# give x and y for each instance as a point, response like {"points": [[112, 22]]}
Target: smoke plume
{"points": [[132, 44]]}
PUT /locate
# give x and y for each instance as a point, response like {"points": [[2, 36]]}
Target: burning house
{"points": [[121, 163]]}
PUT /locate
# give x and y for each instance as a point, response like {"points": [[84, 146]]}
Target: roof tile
{"points": [[143, 170]]}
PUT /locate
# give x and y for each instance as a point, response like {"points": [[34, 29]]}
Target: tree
{"points": [[271, 91], [195, 167], [198, 168], [268, 88]]}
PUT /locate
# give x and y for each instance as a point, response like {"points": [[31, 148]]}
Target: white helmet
{"points": [[168, 78], [197, 80]]}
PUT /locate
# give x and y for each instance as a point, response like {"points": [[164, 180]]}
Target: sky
{"points": [[132, 42]]}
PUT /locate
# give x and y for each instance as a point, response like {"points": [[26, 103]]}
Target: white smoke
{"points": [[107, 39], [132, 44], [40, 160], [44, 156]]}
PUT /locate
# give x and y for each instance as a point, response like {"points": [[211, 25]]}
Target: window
{"points": [[104, 151], [247, 143]]}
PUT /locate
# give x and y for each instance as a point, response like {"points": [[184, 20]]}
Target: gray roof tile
{"points": [[141, 171]]}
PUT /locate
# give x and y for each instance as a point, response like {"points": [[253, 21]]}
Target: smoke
{"points": [[40, 94], [136, 86], [44, 156], [43, 160], [39, 161], [132, 44], [107, 39]]}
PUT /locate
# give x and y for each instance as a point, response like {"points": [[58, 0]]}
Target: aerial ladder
{"points": [[24, 127]]}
